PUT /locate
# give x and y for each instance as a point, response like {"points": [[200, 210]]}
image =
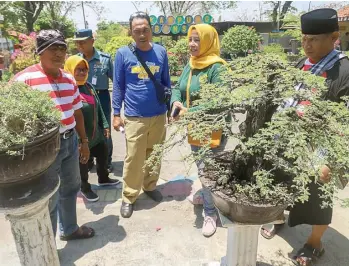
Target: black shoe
{"points": [[90, 195], [126, 210], [110, 182], [154, 195], [90, 164], [110, 168]]}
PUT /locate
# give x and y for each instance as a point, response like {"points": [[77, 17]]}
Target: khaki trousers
{"points": [[142, 133]]}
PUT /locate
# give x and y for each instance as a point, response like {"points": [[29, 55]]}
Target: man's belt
{"points": [[67, 134]]}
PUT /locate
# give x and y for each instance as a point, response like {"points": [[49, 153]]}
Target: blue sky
{"points": [[121, 10]]}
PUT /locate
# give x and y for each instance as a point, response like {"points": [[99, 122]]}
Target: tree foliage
{"points": [[280, 150], [284, 7], [240, 39], [21, 15], [178, 56], [115, 43], [55, 16], [192, 7], [107, 30]]}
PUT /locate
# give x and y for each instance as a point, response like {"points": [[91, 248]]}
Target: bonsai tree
{"points": [[280, 150], [25, 114], [239, 40]]}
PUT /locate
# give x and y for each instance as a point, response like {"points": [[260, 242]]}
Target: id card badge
{"points": [[94, 80]]}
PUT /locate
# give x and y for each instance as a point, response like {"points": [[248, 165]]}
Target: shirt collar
{"points": [[95, 55]]}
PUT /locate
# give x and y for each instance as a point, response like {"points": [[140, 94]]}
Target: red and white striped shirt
{"points": [[62, 90]]}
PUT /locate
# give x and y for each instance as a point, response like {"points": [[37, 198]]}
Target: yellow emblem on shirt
{"points": [[142, 74]]}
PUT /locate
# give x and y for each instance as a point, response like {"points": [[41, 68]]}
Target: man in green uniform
{"points": [[100, 71]]}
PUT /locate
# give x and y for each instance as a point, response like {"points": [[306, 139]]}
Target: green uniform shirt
{"points": [[179, 92], [100, 70], [94, 118]]}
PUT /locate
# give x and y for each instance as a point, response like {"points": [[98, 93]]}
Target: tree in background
{"points": [[283, 7], [115, 43], [192, 7], [21, 15], [55, 16], [107, 30]]}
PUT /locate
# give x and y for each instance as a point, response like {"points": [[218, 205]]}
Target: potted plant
{"points": [[279, 150], [29, 136]]}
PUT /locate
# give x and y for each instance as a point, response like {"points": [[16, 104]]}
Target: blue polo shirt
{"points": [[132, 84], [100, 70]]}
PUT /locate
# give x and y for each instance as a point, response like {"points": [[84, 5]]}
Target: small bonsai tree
{"points": [[280, 150], [25, 114]]}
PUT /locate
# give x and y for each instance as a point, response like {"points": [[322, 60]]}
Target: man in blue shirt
{"points": [[145, 116], [100, 71]]}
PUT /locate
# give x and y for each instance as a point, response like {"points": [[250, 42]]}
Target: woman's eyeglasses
{"points": [[81, 70]]}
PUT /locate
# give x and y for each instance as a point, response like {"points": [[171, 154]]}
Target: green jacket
{"points": [[179, 92], [95, 121]]}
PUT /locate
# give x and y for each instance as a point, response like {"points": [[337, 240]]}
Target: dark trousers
{"points": [[100, 151], [104, 98]]}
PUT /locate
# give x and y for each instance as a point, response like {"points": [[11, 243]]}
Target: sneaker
{"points": [[90, 195], [210, 225], [195, 199], [110, 182]]}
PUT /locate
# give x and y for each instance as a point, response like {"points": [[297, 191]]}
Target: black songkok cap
{"points": [[320, 21], [46, 38]]}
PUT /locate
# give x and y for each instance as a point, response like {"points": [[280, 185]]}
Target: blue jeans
{"points": [[209, 208], [104, 98], [63, 202]]}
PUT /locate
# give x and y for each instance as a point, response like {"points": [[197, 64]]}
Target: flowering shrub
{"points": [[24, 57]]}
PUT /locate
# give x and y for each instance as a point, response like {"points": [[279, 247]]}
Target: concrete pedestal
{"points": [[25, 205], [32, 230], [242, 244]]}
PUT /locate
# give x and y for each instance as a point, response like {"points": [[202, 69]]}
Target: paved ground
{"points": [[168, 234]]}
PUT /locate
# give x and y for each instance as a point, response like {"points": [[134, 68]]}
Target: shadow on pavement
{"points": [[107, 230], [335, 244]]}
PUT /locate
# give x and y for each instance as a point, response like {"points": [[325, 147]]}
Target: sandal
{"points": [[86, 232], [307, 255], [269, 233]]}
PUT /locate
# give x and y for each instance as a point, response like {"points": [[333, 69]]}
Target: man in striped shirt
{"points": [[49, 77]]}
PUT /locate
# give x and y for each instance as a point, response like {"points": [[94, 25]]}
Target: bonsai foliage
{"points": [[24, 114], [240, 39], [280, 150]]}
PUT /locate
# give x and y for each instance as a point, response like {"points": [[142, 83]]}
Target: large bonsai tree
{"points": [[280, 150]]}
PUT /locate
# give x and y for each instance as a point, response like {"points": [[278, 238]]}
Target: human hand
{"points": [[325, 174], [177, 110], [118, 123], [84, 152], [107, 133]]}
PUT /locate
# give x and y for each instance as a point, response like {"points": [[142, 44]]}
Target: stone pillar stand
{"points": [[242, 244], [32, 230]]}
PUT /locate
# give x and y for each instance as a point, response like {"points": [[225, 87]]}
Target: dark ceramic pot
{"points": [[244, 214], [35, 158]]}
